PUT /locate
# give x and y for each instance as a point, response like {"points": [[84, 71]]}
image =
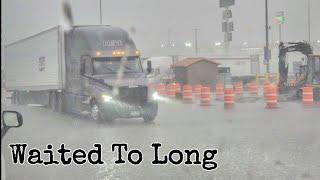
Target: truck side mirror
{"points": [[12, 119], [149, 67]]}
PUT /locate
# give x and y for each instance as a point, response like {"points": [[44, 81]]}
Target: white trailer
{"points": [[35, 63], [240, 66]]}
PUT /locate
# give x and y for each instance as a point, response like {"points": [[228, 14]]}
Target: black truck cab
{"points": [[104, 75]]}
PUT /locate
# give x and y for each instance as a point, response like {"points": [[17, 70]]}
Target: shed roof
{"points": [[189, 61]]}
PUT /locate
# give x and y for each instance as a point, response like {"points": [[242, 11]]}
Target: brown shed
{"points": [[196, 71]]}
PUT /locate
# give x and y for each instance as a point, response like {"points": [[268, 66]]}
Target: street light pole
{"points": [[267, 37], [196, 40], [280, 33], [309, 21], [100, 13], [169, 37]]}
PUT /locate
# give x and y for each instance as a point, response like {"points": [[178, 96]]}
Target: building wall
{"points": [[202, 73], [180, 75]]}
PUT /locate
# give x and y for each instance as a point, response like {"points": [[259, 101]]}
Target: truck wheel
{"points": [[150, 111], [97, 115], [95, 112]]}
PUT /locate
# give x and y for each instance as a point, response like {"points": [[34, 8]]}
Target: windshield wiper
{"points": [[110, 69], [128, 68]]}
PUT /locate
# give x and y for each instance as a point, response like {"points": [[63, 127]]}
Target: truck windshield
{"points": [[110, 65]]}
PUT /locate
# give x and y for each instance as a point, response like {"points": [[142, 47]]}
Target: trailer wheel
{"points": [[15, 98], [52, 101], [59, 102]]}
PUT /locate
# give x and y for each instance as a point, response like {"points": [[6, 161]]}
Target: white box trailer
{"points": [[35, 63], [240, 66]]}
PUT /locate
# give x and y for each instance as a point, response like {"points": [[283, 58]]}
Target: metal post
{"points": [[226, 41], [196, 40], [280, 33], [100, 13], [267, 34], [169, 38], [169, 42], [309, 21]]}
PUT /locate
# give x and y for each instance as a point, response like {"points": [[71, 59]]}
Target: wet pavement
{"points": [[252, 142]]}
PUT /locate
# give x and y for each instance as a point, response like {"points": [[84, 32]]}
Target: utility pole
{"points": [[280, 33], [309, 21], [267, 51], [100, 13], [196, 40], [170, 45], [169, 38]]}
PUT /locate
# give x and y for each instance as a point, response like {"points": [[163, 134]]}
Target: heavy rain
{"points": [[167, 89]]}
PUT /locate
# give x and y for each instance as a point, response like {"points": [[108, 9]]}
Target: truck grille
{"points": [[136, 95]]}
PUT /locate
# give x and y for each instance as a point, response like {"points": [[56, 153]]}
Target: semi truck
{"points": [[94, 71]]}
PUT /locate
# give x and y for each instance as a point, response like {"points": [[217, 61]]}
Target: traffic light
{"points": [[279, 19], [226, 3]]}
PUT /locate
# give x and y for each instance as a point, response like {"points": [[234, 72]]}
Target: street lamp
{"points": [[188, 44], [217, 44]]}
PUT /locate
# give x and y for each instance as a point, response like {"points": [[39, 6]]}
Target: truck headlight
{"points": [[155, 96], [106, 98]]}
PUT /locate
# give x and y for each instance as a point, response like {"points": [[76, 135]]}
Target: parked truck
{"points": [[88, 70]]}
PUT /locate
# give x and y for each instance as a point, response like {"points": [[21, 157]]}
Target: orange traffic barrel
{"points": [[254, 89], [178, 87], [197, 90], [307, 95], [271, 96], [219, 91], [228, 97], [187, 93], [161, 88], [238, 88], [205, 97], [266, 84], [171, 90]]}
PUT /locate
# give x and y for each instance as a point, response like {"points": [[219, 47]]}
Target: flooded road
{"points": [[252, 142]]}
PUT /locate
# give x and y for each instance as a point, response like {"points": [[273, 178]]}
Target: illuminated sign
{"points": [[112, 43]]}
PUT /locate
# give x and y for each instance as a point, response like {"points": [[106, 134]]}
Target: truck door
{"points": [[85, 92]]}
